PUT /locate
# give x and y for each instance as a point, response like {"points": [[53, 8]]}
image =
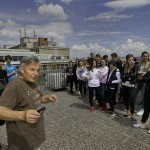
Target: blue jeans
{"points": [[82, 85], [103, 91]]}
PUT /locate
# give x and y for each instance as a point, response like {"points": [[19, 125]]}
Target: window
{"points": [[20, 57], [15, 58]]}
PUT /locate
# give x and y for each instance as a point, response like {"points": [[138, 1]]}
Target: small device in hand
{"points": [[41, 109]]}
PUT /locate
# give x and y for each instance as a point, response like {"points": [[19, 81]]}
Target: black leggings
{"points": [[70, 80], [76, 83], [146, 99], [111, 98], [129, 98], [98, 95]]}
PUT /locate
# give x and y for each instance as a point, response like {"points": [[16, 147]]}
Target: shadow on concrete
{"points": [[123, 121], [79, 105]]}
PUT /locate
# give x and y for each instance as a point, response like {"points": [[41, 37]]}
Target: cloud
{"points": [[128, 47], [11, 42], [9, 32], [131, 47], [40, 1], [59, 30], [9, 29], [28, 10], [1, 23], [66, 1], [109, 17], [50, 10], [91, 33], [83, 50], [125, 4]]}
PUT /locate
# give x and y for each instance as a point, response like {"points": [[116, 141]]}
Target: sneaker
{"points": [[110, 110], [127, 116], [80, 95], [139, 125], [92, 109], [140, 113], [71, 92], [101, 109], [113, 114], [149, 131]]}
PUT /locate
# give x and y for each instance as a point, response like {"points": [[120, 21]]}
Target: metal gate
{"points": [[52, 77]]}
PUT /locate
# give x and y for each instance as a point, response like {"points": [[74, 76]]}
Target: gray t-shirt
{"points": [[21, 95]]}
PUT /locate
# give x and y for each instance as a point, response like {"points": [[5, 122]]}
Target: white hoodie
{"points": [[94, 76]]}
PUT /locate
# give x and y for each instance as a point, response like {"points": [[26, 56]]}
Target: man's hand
{"points": [[53, 98], [49, 98], [31, 116]]}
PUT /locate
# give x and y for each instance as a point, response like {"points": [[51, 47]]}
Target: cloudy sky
{"points": [[100, 26]]}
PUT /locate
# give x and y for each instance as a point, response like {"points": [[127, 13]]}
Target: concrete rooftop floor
{"points": [[69, 125]]}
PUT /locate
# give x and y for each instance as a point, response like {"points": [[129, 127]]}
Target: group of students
{"points": [[8, 72], [107, 80]]}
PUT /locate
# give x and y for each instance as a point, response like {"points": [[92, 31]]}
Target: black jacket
{"points": [[118, 65], [146, 79], [69, 70], [112, 78], [3, 76], [74, 71], [131, 76]]}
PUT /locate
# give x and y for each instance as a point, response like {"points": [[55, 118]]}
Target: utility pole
{"points": [[25, 32], [20, 33]]}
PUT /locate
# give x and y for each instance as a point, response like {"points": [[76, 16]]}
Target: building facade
{"points": [[43, 46]]}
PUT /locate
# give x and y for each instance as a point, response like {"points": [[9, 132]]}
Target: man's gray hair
{"points": [[28, 60]]}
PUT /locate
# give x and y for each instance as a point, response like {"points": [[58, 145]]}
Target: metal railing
{"points": [[52, 77]]}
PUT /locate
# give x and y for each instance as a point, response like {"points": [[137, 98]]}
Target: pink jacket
{"points": [[104, 73]]}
